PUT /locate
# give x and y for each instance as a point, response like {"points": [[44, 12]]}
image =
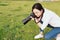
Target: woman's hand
{"points": [[37, 20], [32, 18], [41, 33]]}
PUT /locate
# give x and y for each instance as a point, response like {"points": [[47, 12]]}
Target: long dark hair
{"points": [[39, 7]]}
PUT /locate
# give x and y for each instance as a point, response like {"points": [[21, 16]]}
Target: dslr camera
{"points": [[27, 19]]}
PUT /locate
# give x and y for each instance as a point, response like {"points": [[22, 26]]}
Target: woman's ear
{"points": [[42, 10]]}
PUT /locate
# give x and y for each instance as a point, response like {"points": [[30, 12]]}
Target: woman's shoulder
{"points": [[48, 12]]}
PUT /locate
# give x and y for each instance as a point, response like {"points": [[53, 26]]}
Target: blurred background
{"points": [[12, 12]]}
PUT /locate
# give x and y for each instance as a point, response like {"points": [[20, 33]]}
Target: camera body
{"points": [[26, 20]]}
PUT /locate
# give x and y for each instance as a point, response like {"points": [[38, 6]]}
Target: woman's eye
{"points": [[36, 12]]}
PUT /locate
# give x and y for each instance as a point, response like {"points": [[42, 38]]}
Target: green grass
{"points": [[11, 15]]}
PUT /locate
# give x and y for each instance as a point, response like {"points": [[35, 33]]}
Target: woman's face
{"points": [[37, 12]]}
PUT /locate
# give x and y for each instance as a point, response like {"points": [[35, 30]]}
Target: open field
{"points": [[11, 15]]}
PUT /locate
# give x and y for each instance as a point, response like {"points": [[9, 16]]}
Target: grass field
{"points": [[11, 15]]}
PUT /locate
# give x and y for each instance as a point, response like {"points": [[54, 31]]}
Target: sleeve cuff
{"points": [[41, 30]]}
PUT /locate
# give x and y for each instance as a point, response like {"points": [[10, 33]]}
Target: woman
{"points": [[46, 18]]}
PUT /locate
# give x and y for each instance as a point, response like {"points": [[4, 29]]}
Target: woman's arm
{"points": [[41, 31], [39, 24]]}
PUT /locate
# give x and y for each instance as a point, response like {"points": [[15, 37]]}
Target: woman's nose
{"points": [[36, 14]]}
